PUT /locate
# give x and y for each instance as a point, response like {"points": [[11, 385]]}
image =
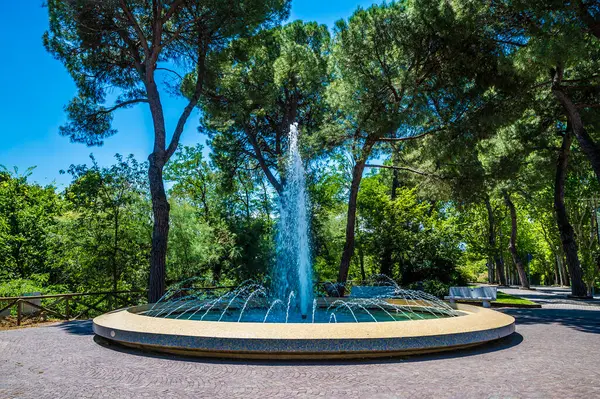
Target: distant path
{"points": [[553, 298], [554, 354]]}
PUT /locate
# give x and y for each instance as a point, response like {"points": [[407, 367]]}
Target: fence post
{"points": [[19, 312], [67, 308]]}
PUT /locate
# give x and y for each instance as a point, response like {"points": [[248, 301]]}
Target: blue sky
{"points": [[34, 89]]}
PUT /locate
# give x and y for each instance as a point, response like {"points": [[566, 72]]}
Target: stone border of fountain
{"points": [[303, 341]]}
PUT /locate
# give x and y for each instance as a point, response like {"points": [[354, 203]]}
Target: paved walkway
{"points": [[554, 298], [554, 354]]}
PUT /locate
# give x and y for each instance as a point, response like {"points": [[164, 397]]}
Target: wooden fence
{"points": [[76, 305], [70, 306]]}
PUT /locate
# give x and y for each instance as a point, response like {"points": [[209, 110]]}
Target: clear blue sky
{"points": [[34, 89]]}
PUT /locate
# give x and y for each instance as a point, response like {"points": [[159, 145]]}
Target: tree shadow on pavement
{"points": [[76, 327], [581, 320]]}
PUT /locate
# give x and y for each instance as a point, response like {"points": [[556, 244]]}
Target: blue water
{"points": [[321, 316]]}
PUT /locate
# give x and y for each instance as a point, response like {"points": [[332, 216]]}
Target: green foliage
{"points": [[266, 82], [221, 227], [102, 238], [420, 238], [35, 283], [107, 47], [434, 287], [27, 215], [455, 100]]}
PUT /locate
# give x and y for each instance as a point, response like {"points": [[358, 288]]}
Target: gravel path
{"points": [[554, 354]]}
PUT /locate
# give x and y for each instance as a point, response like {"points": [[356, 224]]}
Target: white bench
{"points": [[473, 294], [28, 309], [372, 291]]}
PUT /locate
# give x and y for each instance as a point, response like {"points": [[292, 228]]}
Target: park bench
{"points": [[368, 291], [472, 294], [28, 309]]}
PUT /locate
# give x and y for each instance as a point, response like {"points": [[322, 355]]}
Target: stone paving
{"points": [[553, 298], [554, 354]]}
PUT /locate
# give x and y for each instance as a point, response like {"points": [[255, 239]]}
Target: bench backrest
{"points": [[28, 309], [369, 291], [474, 292]]}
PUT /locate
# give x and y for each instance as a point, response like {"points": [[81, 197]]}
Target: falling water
{"points": [[293, 272]]}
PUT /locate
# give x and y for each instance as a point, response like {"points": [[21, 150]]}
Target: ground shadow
{"points": [[76, 327], [549, 295], [501, 344], [581, 320]]}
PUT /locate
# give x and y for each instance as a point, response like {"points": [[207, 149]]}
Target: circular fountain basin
{"points": [[251, 340]]}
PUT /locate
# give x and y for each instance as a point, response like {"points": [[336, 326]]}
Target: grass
{"points": [[511, 299], [507, 298]]}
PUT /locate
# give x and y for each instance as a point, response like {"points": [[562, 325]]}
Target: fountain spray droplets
{"points": [[292, 294], [293, 272], [252, 302]]}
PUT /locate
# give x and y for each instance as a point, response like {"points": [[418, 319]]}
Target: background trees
{"points": [[265, 83], [123, 47], [27, 219], [403, 72], [442, 140]]}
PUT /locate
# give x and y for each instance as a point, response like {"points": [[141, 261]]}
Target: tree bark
{"points": [[361, 258], [263, 163], [567, 234], [160, 204], [557, 279], [348, 251], [565, 281], [160, 231], [586, 142], [492, 242], [115, 251], [160, 156], [512, 246]]}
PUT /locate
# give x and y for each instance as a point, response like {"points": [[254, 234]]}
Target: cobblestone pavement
{"points": [[554, 354]]}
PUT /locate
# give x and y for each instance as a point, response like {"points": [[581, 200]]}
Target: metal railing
{"points": [[69, 306]]}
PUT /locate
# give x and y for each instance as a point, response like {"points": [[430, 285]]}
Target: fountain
{"points": [[286, 320], [293, 272]]}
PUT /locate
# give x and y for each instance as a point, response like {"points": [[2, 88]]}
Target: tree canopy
{"points": [[444, 141]]}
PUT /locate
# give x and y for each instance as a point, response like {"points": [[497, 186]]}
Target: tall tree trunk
{"points": [[586, 142], [348, 251], [502, 269], [115, 251], [361, 258], [491, 270], [512, 246], [387, 261], [160, 204], [567, 235], [351, 222], [557, 279], [160, 231], [565, 281], [492, 242]]}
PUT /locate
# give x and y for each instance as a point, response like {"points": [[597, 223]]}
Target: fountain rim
{"points": [[303, 340]]}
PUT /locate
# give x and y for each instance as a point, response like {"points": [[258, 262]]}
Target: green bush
{"points": [[36, 283], [433, 287]]}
